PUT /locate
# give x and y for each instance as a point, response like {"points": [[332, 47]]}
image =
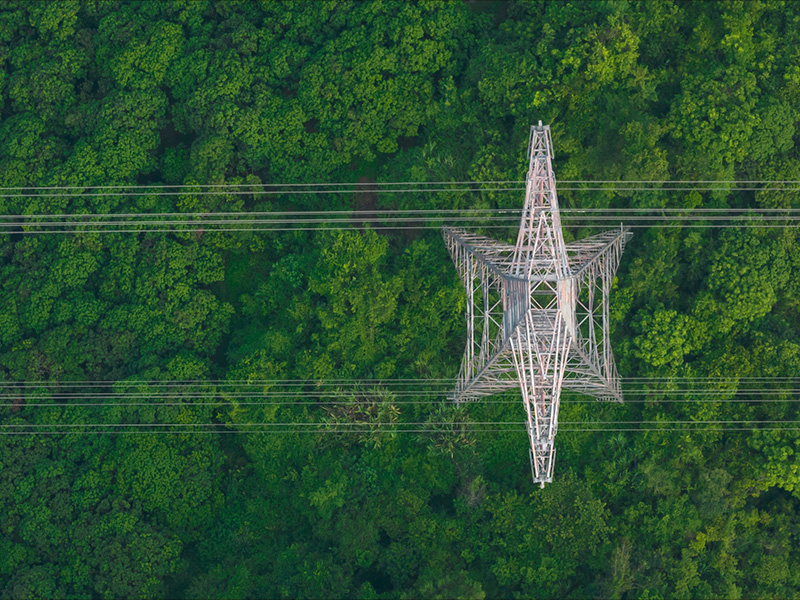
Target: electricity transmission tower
{"points": [[537, 310]]}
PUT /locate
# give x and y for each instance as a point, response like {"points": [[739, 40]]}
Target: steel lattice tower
{"points": [[537, 311]]}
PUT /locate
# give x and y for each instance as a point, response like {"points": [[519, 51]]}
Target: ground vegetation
{"points": [[204, 92]]}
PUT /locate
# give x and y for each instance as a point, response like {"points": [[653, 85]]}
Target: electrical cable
{"points": [[400, 424], [335, 431], [355, 386], [436, 394], [201, 230], [381, 220], [355, 228], [376, 191], [356, 391], [320, 223], [190, 187], [334, 216], [335, 403], [385, 381], [261, 224], [516, 212], [370, 183]]}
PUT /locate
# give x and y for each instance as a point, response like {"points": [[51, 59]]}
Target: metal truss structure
{"points": [[537, 311]]}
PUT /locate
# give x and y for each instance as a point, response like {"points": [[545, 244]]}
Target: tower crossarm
{"points": [[496, 256], [591, 368], [493, 300], [589, 252], [496, 375]]}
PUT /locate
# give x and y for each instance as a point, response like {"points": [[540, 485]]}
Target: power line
{"points": [[704, 429], [292, 192], [356, 385], [294, 424], [364, 381], [320, 222], [400, 402], [376, 191], [334, 392], [346, 387], [399, 424], [793, 223], [191, 186], [412, 381], [437, 394], [390, 219], [378, 183], [385, 380], [356, 228], [357, 222], [377, 212]]}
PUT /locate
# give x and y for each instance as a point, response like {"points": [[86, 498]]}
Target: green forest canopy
{"points": [[187, 92]]}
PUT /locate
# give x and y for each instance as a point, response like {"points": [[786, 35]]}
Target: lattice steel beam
{"points": [[537, 311]]}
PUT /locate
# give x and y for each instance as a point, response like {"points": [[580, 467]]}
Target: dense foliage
{"points": [[189, 91]]}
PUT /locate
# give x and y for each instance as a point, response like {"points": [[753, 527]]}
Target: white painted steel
{"points": [[537, 311]]}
